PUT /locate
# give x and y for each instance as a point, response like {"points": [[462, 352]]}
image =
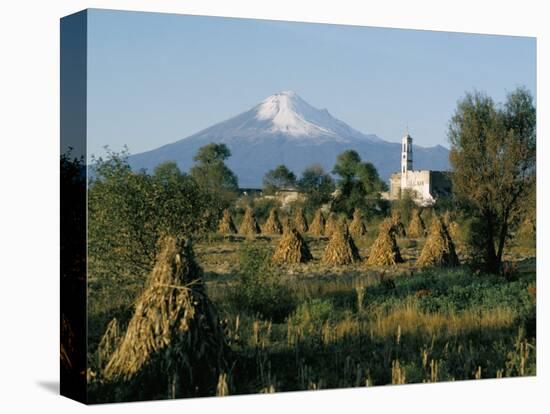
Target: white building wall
{"points": [[419, 183]]}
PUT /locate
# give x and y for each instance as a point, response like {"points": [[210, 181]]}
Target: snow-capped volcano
{"points": [[284, 114], [291, 115], [288, 114], [285, 129]]}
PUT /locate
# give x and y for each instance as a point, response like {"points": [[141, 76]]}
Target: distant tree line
{"points": [[493, 153], [357, 184]]}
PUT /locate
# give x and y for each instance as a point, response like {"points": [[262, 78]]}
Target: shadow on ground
{"points": [[51, 386]]}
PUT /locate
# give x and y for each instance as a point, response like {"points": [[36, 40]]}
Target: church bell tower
{"points": [[406, 158]]}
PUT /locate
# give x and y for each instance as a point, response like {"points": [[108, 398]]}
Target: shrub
{"points": [[312, 314], [258, 290]]}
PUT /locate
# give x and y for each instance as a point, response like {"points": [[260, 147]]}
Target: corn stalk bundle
{"points": [[226, 225], [300, 222], [331, 224], [343, 225], [272, 225], [108, 343], [292, 248], [357, 228], [451, 225], [341, 248], [384, 251], [397, 224], [416, 226], [439, 249], [249, 226], [174, 337], [317, 226], [288, 224]]}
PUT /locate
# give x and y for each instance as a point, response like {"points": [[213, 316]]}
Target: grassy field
{"points": [[353, 326]]}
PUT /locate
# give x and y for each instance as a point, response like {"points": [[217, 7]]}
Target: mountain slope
{"points": [[285, 129]]}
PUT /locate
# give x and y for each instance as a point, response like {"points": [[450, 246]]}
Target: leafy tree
{"points": [[359, 184], [278, 179], [212, 153], [214, 177], [373, 186], [317, 185], [128, 212], [369, 178], [493, 157], [346, 166]]}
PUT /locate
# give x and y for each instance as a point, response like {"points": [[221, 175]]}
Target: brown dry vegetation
{"points": [[227, 226], [292, 249], [331, 224], [418, 326], [416, 227], [357, 228], [249, 226], [385, 251], [341, 249], [174, 329], [300, 222], [439, 249], [317, 226], [272, 225], [397, 224]]}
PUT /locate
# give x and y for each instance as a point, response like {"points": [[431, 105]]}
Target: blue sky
{"points": [[156, 78]]}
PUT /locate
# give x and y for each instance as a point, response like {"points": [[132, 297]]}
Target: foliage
{"points": [[129, 211], [278, 179], [359, 184], [440, 324], [214, 177], [313, 314], [493, 157], [259, 290], [317, 185]]}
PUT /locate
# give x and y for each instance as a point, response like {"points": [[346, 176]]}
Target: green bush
{"points": [[259, 290], [313, 314]]}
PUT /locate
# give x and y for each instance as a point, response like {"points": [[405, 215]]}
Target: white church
{"points": [[425, 186]]}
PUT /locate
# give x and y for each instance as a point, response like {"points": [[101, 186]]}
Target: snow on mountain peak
{"points": [[291, 115]]}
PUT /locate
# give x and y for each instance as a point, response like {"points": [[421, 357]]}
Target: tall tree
{"points": [[346, 166], [278, 179], [317, 185], [211, 173], [359, 184], [493, 154]]}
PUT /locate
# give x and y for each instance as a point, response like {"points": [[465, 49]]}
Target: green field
{"points": [[319, 327]]}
